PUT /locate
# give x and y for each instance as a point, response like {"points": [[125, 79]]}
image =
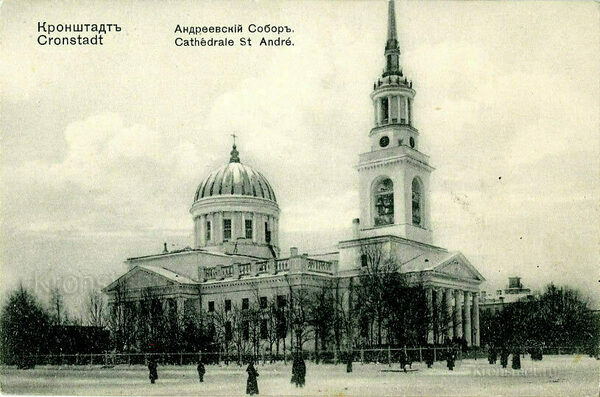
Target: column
{"points": [[430, 311], [260, 234], [402, 108], [238, 229], [476, 319], [467, 318], [218, 228], [275, 233], [202, 230], [458, 322], [180, 309], [450, 313], [378, 111], [439, 338]]}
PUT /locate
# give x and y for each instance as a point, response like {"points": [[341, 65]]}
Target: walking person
{"points": [[295, 364], [301, 371], [252, 384], [152, 366], [451, 359], [504, 356], [428, 356], [201, 371], [349, 358]]}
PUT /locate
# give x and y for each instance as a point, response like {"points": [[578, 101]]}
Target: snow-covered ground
{"points": [[555, 375]]}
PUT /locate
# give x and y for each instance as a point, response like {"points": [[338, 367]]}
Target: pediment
{"points": [[459, 267], [138, 278]]}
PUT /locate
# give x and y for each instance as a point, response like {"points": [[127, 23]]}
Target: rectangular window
{"points": [[409, 111], [267, 233], [227, 305], [363, 260], [264, 330], [245, 304], [248, 224], [263, 302], [281, 301], [211, 306], [385, 110], [394, 109], [208, 231], [226, 229]]}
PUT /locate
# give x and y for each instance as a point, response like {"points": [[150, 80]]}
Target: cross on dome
{"points": [[235, 155]]}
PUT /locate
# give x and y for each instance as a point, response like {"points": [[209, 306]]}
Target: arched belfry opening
{"points": [[383, 197], [417, 202]]}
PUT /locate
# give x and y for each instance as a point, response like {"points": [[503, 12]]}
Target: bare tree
{"points": [[393, 306], [222, 324], [321, 316], [377, 276], [121, 320], [96, 308], [57, 306], [272, 319], [299, 314]]}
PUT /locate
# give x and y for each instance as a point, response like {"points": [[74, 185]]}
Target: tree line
{"points": [[380, 307], [559, 316]]}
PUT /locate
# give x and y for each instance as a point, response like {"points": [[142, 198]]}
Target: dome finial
{"points": [[235, 155]]}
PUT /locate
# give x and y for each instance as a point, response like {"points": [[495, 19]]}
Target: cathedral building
{"points": [[235, 258]]}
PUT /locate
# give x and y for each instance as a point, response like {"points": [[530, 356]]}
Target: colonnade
{"points": [[454, 313]]}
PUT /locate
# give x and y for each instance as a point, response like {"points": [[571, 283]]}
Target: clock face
{"points": [[384, 141], [412, 142]]}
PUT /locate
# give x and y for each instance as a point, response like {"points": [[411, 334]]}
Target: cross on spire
{"points": [[234, 136]]}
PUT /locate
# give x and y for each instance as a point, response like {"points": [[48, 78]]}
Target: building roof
{"points": [[168, 274], [235, 178], [427, 260]]}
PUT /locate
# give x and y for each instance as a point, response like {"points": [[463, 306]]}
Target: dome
{"points": [[235, 178]]}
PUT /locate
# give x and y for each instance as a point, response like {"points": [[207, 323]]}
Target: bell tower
{"points": [[394, 174]]}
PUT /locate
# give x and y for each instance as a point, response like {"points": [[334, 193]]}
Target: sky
{"points": [[103, 146]]}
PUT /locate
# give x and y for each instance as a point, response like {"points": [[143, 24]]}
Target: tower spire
{"points": [[392, 50], [392, 37]]}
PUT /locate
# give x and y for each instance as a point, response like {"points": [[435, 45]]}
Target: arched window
{"points": [[417, 207], [384, 203]]}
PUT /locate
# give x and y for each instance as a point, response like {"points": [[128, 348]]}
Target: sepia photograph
{"points": [[311, 198]]}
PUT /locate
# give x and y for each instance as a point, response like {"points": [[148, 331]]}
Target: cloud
{"points": [[114, 177]]}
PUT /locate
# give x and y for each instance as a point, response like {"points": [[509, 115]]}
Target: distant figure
{"points": [[429, 356], [504, 357], [451, 358], [298, 371], [295, 370], [252, 385], [349, 362], [516, 359], [404, 361], [201, 371], [492, 354], [152, 370], [301, 371]]}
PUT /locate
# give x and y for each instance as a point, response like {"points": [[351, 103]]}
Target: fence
{"points": [[377, 355]]}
